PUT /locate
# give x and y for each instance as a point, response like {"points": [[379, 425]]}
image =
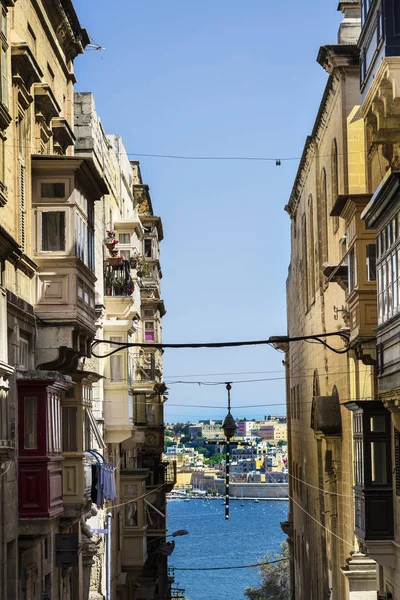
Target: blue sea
{"points": [[252, 531]]}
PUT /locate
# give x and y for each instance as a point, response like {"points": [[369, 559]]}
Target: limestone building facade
{"points": [[331, 287], [79, 260], [344, 458]]}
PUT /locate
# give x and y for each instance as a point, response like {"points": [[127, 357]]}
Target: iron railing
{"points": [[117, 279]]}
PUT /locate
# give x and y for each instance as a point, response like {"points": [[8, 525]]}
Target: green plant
{"points": [[143, 268], [275, 583], [108, 280]]}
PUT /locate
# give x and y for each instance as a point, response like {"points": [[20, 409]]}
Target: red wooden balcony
{"points": [[39, 446]]}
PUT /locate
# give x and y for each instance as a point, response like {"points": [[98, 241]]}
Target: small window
{"points": [[53, 231], [124, 238], [52, 190], [148, 248], [126, 255], [30, 423], [149, 334], [148, 312]]}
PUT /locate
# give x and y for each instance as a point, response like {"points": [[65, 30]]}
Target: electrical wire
{"points": [[316, 520], [260, 564], [139, 497], [276, 159], [272, 341], [327, 492]]}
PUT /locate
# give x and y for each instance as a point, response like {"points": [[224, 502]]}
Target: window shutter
{"points": [[22, 207], [397, 459]]}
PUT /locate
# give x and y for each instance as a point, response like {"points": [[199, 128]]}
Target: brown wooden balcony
{"points": [[40, 457]]}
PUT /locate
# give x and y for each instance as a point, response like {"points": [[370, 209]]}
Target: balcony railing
{"points": [[117, 279]]}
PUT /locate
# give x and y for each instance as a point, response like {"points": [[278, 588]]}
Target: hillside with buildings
{"points": [[258, 456]]}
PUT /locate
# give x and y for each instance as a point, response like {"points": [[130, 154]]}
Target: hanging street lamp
{"points": [[229, 428]]}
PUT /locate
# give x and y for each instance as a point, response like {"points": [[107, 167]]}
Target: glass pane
{"points": [[53, 231], [116, 368], [371, 262], [69, 426], [378, 463], [30, 423], [131, 516], [378, 424], [53, 190]]}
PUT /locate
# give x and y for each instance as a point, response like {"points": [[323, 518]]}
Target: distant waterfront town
{"points": [[258, 465]]}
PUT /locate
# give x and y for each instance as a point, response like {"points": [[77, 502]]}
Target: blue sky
{"points": [[214, 78]]}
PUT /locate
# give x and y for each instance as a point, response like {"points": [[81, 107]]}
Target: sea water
{"points": [[252, 531]]}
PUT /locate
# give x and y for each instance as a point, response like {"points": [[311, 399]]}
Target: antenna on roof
{"points": [[94, 45]]}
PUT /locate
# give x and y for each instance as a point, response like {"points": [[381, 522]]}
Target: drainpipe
{"points": [[108, 595]]}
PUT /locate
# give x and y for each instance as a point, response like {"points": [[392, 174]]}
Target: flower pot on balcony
{"points": [[108, 291], [115, 260]]}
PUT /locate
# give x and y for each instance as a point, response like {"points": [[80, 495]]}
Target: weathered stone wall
{"points": [[323, 523]]}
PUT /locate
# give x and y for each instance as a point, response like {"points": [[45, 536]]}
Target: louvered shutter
{"points": [[397, 459], [22, 207]]}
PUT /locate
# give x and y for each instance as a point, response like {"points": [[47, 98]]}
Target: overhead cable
{"points": [[273, 341], [260, 564]]}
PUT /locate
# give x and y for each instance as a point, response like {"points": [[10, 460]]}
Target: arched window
{"points": [[334, 182], [304, 266], [323, 218], [311, 251]]}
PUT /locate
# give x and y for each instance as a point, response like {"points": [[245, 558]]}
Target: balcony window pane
{"points": [[69, 427], [124, 238], [371, 262], [378, 463], [147, 248], [116, 368], [377, 424], [131, 515], [30, 423], [53, 231], [394, 282], [52, 190]]}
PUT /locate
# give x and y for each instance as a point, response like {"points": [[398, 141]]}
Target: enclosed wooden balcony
{"points": [[134, 547], [40, 456], [356, 272]]}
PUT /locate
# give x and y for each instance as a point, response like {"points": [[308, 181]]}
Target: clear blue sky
{"points": [[220, 78]]}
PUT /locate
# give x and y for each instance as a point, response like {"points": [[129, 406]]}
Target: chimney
{"points": [[350, 27]]}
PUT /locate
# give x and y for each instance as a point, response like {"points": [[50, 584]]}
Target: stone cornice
{"points": [[338, 56], [301, 176], [310, 147]]}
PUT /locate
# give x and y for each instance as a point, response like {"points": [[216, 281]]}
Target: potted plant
{"points": [[129, 286], [115, 260], [108, 283], [119, 285]]}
